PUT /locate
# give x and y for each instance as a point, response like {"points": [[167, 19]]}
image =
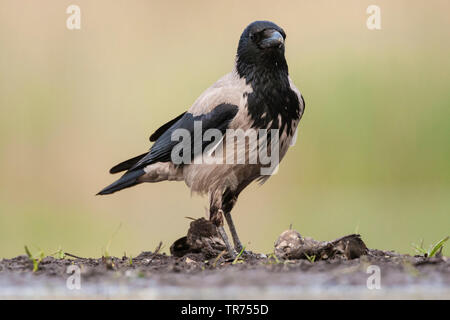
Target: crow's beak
{"points": [[272, 39]]}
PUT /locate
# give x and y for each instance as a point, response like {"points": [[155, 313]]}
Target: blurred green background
{"points": [[373, 149]]}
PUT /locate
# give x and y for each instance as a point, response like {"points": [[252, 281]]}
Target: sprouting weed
{"points": [[237, 259], [272, 257], [433, 249], [310, 258], [36, 259]]}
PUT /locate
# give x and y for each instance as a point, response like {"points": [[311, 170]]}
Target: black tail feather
{"points": [[129, 179], [127, 164]]}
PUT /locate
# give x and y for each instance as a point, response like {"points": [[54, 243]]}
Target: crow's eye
{"points": [[253, 37]]}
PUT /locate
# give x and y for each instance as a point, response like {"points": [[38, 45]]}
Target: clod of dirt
{"points": [[108, 262], [202, 237], [291, 245]]}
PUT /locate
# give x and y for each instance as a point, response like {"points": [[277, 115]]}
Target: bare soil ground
{"points": [[198, 267]]}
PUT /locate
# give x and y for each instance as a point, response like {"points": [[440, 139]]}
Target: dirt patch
{"points": [[199, 262], [202, 237]]}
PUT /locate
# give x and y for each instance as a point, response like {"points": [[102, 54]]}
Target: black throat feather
{"points": [[272, 104]]}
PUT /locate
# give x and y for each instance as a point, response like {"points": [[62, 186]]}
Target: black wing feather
{"points": [[155, 135], [218, 118]]}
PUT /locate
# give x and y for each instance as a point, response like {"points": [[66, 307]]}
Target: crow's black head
{"points": [[261, 49], [260, 61]]}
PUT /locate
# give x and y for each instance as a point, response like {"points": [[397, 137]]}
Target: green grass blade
{"points": [[437, 246]]}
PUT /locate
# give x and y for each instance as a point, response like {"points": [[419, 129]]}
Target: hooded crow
{"points": [[256, 96]]}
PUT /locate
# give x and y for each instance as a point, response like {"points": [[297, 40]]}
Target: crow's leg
{"points": [[237, 243], [229, 199], [224, 237], [216, 217]]}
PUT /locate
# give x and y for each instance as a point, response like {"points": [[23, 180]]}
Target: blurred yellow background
{"points": [[372, 155]]}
